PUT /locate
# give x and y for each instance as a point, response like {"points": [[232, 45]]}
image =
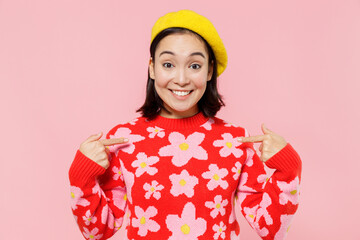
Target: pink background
{"points": [[69, 69]]}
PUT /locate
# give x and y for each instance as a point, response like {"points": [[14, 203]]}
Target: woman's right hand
{"points": [[95, 148]]}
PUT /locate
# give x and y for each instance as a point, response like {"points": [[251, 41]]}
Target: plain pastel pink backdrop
{"points": [[69, 69]]}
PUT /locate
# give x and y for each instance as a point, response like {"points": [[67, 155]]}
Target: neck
{"points": [[177, 115]]}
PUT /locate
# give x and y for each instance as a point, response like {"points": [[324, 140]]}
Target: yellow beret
{"points": [[201, 25]]}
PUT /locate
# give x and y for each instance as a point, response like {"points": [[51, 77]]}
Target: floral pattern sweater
{"points": [[181, 179]]}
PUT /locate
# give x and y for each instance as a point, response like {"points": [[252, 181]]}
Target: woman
{"points": [[179, 169]]}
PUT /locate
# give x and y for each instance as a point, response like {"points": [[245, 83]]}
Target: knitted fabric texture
{"points": [[181, 179], [201, 25]]}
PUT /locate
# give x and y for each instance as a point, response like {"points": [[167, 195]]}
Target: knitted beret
{"points": [[197, 23]]}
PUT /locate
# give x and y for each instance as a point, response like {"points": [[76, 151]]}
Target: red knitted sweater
{"points": [[181, 179]]}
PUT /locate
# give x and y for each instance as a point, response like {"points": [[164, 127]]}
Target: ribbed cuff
{"points": [[286, 159], [83, 169]]}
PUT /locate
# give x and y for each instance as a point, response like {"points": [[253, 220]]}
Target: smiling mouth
{"points": [[181, 93]]}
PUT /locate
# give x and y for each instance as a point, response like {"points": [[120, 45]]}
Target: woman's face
{"points": [[180, 71]]}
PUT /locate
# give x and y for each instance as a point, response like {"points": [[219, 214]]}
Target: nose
{"points": [[181, 78]]}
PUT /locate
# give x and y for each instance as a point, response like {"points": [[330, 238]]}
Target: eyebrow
{"points": [[192, 54]]}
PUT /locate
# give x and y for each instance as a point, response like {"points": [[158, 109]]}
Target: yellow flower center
{"points": [[216, 177], [119, 172], [252, 216], [156, 130], [89, 219], [184, 146], [218, 205], [152, 189], [293, 192], [239, 171], [220, 229], [143, 164], [182, 182], [91, 236], [288, 229], [143, 220], [185, 229], [72, 195], [125, 197], [228, 144]]}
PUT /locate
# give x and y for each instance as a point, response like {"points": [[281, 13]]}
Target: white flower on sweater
{"points": [[183, 149], [155, 131], [219, 230], [128, 147], [93, 234], [153, 189], [217, 205], [215, 175], [208, 123], [183, 183], [228, 144], [88, 218], [143, 221], [143, 164], [187, 226], [76, 198], [290, 191]]}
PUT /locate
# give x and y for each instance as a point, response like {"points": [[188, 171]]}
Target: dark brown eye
{"points": [[195, 66], [167, 65]]}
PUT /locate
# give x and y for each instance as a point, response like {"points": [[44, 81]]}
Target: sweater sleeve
{"points": [[98, 196], [269, 203]]}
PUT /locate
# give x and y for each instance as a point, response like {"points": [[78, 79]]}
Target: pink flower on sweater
{"points": [[88, 218], [290, 191], [183, 149], [228, 124], [284, 227], [228, 145], [217, 205], [143, 164], [143, 221], [119, 197], [219, 230], [155, 131], [208, 123], [129, 181], [76, 198], [153, 189], [133, 122], [93, 234], [242, 190], [236, 170], [186, 227], [215, 175], [117, 173], [233, 236], [183, 184], [128, 147]]}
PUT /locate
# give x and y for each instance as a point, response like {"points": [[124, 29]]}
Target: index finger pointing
{"points": [[113, 141], [258, 138]]}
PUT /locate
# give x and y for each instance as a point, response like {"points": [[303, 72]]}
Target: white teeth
{"points": [[181, 93]]}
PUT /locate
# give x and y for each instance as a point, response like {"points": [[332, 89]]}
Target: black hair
{"points": [[211, 101]]}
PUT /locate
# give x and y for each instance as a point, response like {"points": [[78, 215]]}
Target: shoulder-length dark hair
{"points": [[209, 104]]}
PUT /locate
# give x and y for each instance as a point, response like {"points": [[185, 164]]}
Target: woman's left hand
{"points": [[271, 143]]}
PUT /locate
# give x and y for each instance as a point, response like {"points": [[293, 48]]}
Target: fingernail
{"points": [[126, 140], [239, 139]]}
